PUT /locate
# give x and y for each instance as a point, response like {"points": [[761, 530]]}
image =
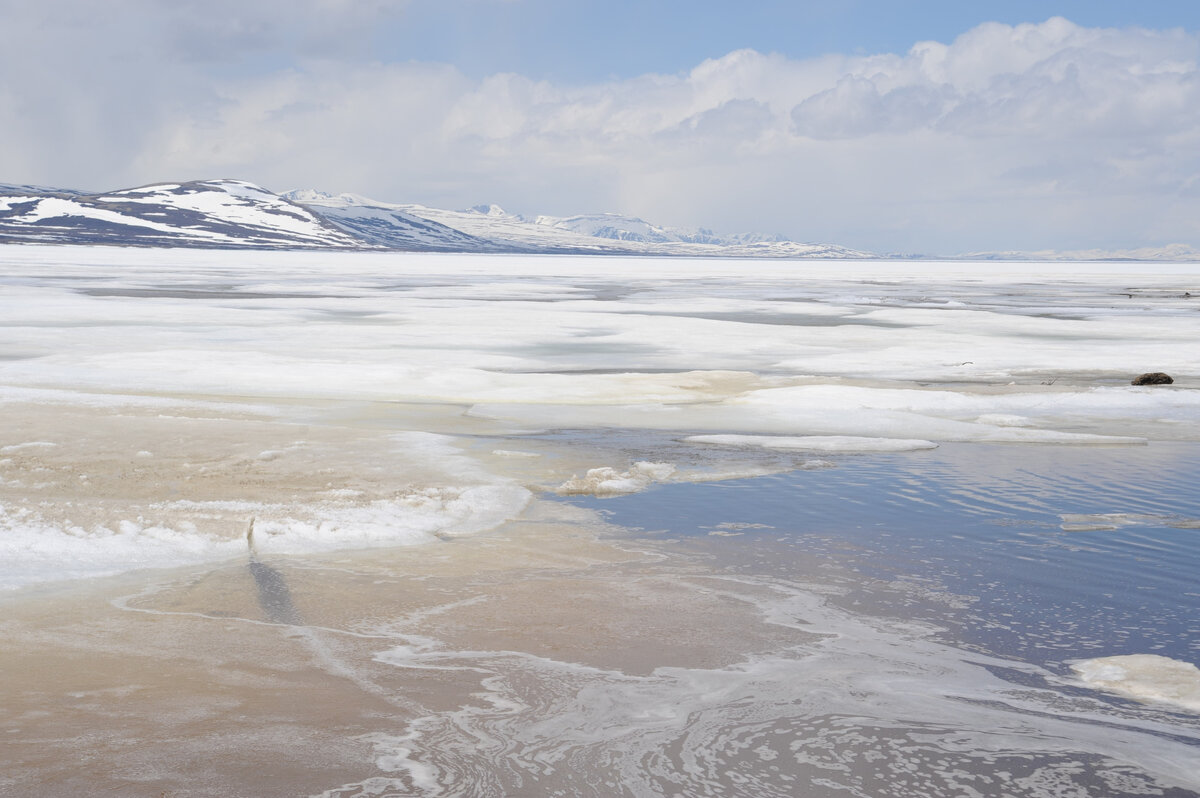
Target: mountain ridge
{"points": [[222, 214], [608, 233], [228, 213]]}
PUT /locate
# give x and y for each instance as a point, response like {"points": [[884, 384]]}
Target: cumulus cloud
{"points": [[1009, 137], [1053, 80]]}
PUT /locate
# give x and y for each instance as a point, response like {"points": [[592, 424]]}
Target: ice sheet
{"points": [[798, 349], [894, 352]]}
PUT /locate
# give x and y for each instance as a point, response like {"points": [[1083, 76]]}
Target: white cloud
{"points": [[1039, 135]]}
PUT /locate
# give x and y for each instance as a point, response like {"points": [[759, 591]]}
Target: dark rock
{"points": [[1153, 378]]}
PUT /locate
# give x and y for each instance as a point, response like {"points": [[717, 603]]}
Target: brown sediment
{"points": [[183, 682]]}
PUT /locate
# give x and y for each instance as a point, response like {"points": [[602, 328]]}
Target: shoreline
{"points": [[487, 663]]}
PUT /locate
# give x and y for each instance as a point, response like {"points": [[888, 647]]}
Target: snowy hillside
{"points": [[492, 223], [615, 234], [386, 225], [626, 228], [209, 213], [610, 234]]}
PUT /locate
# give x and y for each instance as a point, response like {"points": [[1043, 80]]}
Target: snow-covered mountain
{"points": [[386, 225], [494, 229], [205, 213], [627, 228], [236, 214]]}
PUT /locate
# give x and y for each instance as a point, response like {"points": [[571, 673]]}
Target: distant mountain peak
{"points": [[314, 197], [490, 210]]}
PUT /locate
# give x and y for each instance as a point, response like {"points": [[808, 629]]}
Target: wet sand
{"points": [[199, 682]]}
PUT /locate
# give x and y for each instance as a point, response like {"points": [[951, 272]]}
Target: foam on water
{"points": [[861, 706]]}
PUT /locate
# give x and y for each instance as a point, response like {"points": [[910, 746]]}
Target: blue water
{"points": [[973, 539]]}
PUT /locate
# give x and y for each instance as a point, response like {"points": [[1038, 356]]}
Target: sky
{"points": [[917, 127]]}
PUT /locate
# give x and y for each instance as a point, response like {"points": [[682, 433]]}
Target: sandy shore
{"points": [[554, 655], [180, 683]]}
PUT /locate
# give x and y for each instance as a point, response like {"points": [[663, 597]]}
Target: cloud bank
{"points": [[1046, 135]]}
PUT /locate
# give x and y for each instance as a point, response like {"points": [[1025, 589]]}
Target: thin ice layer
{"points": [[816, 443], [114, 493], [35, 550]]}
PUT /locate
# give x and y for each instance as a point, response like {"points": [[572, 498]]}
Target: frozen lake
{"points": [[598, 526]]}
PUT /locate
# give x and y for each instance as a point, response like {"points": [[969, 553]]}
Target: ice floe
{"points": [[1146, 677], [608, 481]]}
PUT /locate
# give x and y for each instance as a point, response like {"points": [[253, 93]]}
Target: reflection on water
{"points": [[927, 606], [274, 596], [1040, 554]]}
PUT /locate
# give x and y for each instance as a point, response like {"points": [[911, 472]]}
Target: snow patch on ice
{"points": [[1003, 420]]}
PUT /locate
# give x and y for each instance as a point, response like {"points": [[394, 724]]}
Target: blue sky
{"points": [[587, 41], [920, 127]]}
